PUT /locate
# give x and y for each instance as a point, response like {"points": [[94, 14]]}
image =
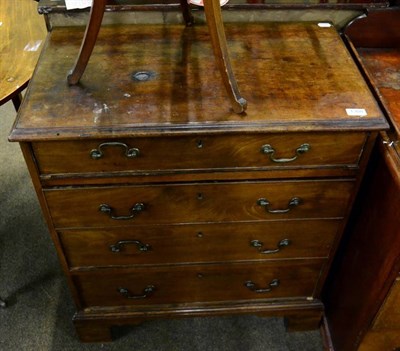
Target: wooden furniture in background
{"points": [[212, 10], [163, 203], [22, 32], [362, 297]]}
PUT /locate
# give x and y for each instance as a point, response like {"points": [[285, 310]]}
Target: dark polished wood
{"points": [[367, 31], [166, 204], [161, 202], [223, 242], [109, 102], [58, 6], [227, 152], [383, 64], [360, 297], [198, 284]]}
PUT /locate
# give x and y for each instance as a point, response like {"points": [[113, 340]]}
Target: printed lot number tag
{"points": [[357, 112]]}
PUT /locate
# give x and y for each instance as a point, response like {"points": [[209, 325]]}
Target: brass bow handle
{"points": [[258, 245], [138, 207], [269, 150], [147, 292], [293, 202], [119, 245], [128, 152], [253, 286]]}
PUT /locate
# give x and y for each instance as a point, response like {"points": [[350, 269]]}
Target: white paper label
{"points": [[77, 4], [324, 25], [357, 112], [201, 2]]}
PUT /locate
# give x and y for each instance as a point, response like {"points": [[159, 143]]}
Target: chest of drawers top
{"points": [[152, 80]]}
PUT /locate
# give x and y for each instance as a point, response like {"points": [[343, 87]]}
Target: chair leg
{"points": [[217, 33], [187, 14], [213, 14], [89, 40]]}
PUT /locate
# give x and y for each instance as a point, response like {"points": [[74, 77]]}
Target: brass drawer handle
{"points": [[293, 202], [258, 245], [138, 207], [133, 152], [147, 292], [253, 287], [269, 150], [118, 246]]}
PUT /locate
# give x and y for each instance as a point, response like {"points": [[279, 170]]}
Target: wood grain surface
{"points": [[22, 33], [291, 84]]}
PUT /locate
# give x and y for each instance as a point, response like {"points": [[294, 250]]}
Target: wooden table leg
{"points": [[89, 40], [212, 10], [17, 99]]}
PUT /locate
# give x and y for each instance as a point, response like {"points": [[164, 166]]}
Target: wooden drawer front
{"points": [[198, 243], [203, 152], [185, 284], [116, 206]]}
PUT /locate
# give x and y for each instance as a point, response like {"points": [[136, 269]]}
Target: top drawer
{"points": [[199, 153]]}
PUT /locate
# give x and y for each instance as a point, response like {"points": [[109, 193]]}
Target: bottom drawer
{"points": [[198, 283]]}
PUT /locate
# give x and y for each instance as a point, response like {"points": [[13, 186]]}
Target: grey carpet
{"points": [[40, 307]]}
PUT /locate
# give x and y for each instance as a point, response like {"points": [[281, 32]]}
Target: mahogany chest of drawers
{"points": [[163, 203]]}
